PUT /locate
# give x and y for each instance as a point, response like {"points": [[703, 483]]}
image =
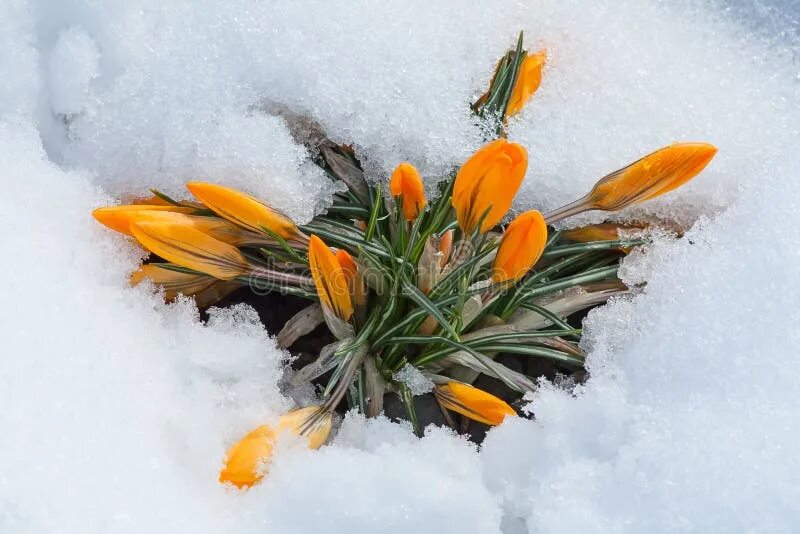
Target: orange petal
{"points": [[446, 246], [173, 282], [119, 217], [652, 176], [330, 279], [520, 247], [486, 184], [190, 248], [473, 402], [355, 282], [217, 228], [406, 183], [528, 81], [242, 209], [246, 461]]}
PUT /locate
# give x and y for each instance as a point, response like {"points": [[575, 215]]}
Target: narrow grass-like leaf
{"points": [[408, 401], [566, 250], [412, 292], [543, 352]]}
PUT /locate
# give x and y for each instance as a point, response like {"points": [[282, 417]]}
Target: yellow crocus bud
{"points": [[486, 184], [520, 247], [119, 217], [528, 80], [655, 174], [472, 402], [242, 209], [190, 248], [246, 461], [330, 279], [406, 183]]}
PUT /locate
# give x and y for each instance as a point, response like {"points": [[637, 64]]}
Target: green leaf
{"points": [[564, 283], [552, 317], [542, 352], [408, 400], [566, 250], [412, 292]]}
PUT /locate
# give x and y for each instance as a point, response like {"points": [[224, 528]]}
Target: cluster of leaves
{"points": [[437, 286]]}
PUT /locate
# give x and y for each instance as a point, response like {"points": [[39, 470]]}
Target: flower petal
{"points": [[651, 176], [406, 183], [520, 247], [119, 217], [247, 460], [472, 402], [242, 209], [528, 81], [330, 279], [191, 248], [486, 184]]}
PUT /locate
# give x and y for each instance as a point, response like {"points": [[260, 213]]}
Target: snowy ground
{"points": [[116, 409]]}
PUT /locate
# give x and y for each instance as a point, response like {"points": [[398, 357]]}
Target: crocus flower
{"points": [[486, 184], [242, 209], [473, 402], [520, 247], [528, 80], [652, 176], [190, 248], [445, 246], [406, 184], [174, 282], [246, 460], [221, 229], [600, 232], [355, 281], [330, 279], [205, 289], [604, 232], [119, 217]]}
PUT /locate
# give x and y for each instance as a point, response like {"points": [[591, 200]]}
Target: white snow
{"points": [[417, 383], [116, 409]]}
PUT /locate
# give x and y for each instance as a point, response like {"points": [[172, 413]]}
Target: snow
{"points": [[417, 383], [117, 408]]}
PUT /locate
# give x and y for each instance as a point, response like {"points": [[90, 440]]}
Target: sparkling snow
{"points": [[116, 409]]}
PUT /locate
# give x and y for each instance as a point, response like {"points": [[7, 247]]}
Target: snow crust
{"points": [[116, 409]]}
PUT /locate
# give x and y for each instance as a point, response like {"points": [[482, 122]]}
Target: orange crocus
{"points": [[216, 227], [246, 461], [473, 402], [330, 279], [647, 178], [190, 248], [520, 247], [406, 183], [242, 209], [205, 289], [445, 246], [119, 217], [174, 282], [486, 184], [528, 80], [355, 281]]}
